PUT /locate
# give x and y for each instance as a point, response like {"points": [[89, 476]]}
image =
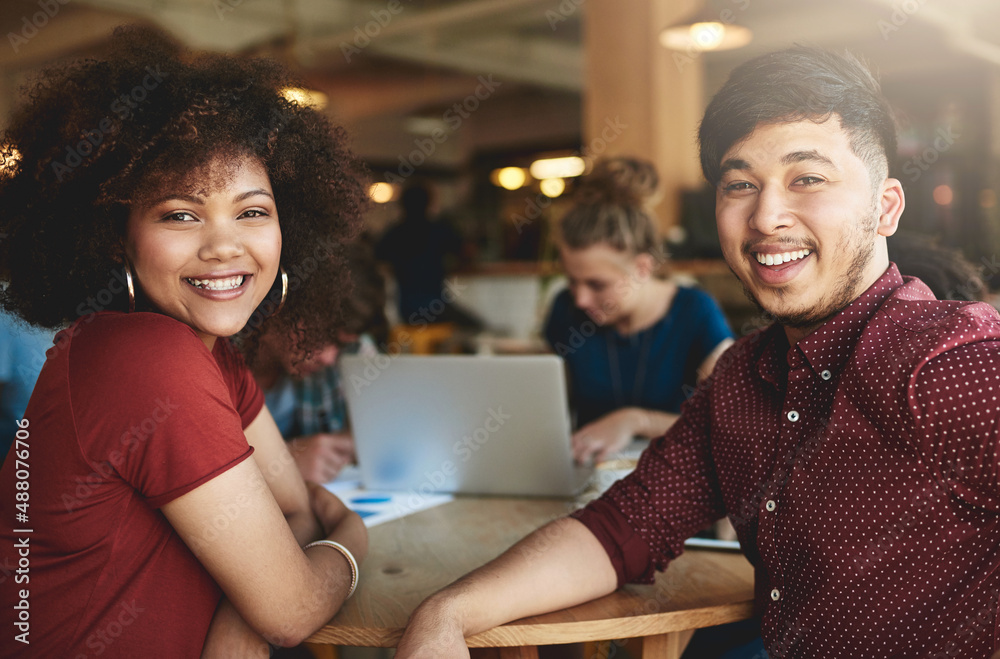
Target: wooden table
{"points": [[412, 557]]}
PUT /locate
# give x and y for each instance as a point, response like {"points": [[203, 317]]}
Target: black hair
{"points": [[795, 84], [948, 274]]}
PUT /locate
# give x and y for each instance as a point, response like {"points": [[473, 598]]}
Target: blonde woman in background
{"points": [[634, 342]]}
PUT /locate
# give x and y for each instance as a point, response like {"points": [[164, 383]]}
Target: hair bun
{"points": [[620, 181]]}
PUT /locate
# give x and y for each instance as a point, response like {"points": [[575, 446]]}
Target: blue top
{"points": [[654, 369], [22, 354]]}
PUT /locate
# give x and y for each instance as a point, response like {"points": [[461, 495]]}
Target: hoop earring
{"points": [[131, 286], [284, 290]]}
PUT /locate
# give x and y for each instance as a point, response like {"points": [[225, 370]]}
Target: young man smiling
{"points": [[853, 443]]}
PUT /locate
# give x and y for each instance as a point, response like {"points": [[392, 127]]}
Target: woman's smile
{"points": [[221, 287], [218, 283]]}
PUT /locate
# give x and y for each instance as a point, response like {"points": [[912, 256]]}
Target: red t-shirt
{"points": [[130, 412]]}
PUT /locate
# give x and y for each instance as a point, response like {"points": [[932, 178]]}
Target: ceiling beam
{"points": [[73, 30], [361, 98], [531, 60], [956, 24], [409, 22]]}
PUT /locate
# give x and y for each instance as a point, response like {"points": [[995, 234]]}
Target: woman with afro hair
{"points": [[162, 514]]}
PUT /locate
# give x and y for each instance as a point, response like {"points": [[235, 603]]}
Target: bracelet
{"points": [[347, 554]]}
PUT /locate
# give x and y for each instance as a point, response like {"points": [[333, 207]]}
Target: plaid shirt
{"points": [[319, 404]]}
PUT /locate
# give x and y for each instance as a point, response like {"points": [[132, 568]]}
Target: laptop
{"points": [[495, 425]]}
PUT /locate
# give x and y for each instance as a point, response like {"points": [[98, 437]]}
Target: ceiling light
{"points": [[706, 30], [553, 187], [9, 157], [426, 126], [509, 178], [987, 198], [943, 195], [567, 167], [309, 98], [381, 192]]}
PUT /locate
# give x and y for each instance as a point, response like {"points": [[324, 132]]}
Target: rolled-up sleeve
{"points": [[643, 520]]}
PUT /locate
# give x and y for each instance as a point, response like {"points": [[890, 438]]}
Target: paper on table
{"points": [[376, 507]]}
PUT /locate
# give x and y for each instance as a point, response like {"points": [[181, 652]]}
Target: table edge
{"points": [[531, 632]]}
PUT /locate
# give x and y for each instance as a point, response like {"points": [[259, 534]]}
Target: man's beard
{"points": [[844, 293]]}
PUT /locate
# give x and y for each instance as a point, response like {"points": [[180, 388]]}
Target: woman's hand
{"points": [[339, 524], [614, 431], [608, 434], [320, 457]]}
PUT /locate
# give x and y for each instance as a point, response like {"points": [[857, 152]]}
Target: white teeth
{"points": [[778, 259], [226, 284]]}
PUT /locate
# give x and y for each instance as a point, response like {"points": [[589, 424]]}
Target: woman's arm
{"points": [[283, 593], [614, 431], [708, 365], [230, 636], [282, 475]]}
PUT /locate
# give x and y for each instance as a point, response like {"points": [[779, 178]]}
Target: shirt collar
{"points": [[828, 348]]}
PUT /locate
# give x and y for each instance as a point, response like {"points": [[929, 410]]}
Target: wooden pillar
{"points": [[7, 94], [988, 198], [641, 99]]}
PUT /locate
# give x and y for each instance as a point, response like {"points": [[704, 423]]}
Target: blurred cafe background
{"points": [[500, 105]]}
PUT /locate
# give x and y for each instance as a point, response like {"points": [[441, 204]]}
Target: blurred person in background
{"points": [[305, 396], [635, 343], [421, 250], [945, 271], [22, 354]]}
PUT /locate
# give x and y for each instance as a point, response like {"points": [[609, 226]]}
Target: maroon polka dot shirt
{"points": [[860, 469]]}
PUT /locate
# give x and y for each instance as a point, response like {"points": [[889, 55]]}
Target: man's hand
{"points": [[559, 565], [320, 457]]}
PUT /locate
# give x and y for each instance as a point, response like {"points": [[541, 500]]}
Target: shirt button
{"points": [[793, 416], [826, 375], [771, 506], [775, 594]]}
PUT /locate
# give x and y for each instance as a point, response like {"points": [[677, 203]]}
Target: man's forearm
{"points": [[559, 565]]}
